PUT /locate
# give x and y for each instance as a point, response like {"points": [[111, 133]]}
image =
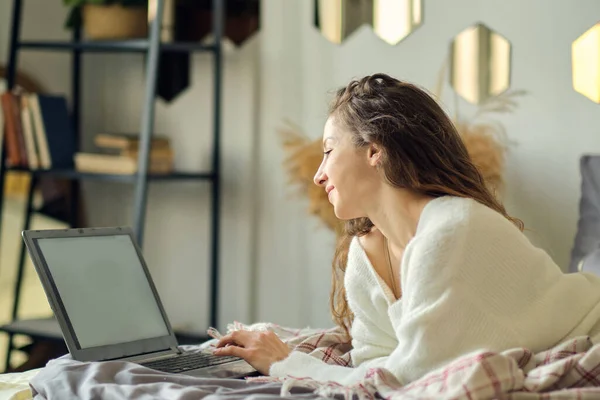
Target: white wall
{"points": [[288, 72], [552, 127]]}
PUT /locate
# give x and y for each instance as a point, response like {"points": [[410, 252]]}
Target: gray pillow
{"points": [[591, 262], [587, 238]]}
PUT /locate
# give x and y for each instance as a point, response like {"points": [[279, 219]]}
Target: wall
{"points": [[288, 72], [550, 130]]}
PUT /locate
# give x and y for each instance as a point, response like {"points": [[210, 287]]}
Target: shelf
{"points": [[45, 329], [41, 327], [119, 46], [48, 328], [74, 174]]}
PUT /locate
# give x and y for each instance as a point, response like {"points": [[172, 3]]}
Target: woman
{"points": [[435, 268]]}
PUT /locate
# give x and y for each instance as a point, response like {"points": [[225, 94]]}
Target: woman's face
{"points": [[347, 173]]}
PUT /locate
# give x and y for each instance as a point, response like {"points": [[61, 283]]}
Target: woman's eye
{"points": [[327, 152]]}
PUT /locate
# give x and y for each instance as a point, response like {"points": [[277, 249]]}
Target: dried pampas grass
{"points": [[486, 153], [486, 139]]}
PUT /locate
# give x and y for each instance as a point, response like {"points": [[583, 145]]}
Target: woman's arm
{"points": [[436, 321], [441, 315]]}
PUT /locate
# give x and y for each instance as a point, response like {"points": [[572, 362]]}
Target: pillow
{"points": [[587, 238]]}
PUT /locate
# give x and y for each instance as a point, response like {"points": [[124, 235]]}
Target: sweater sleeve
{"points": [[302, 365]]}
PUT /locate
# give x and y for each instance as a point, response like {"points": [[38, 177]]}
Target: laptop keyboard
{"points": [[187, 362]]}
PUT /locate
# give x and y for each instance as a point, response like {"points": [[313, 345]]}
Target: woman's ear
{"points": [[374, 155]]}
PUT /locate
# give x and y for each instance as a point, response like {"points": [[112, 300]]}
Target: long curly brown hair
{"points": [[422, 151]]}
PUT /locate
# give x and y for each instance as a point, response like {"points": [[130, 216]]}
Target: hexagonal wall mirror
{"points": [[392, 20], [585, 59], [479, 64]]}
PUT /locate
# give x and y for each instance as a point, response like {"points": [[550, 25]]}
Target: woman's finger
{"points": [[234, 351], [226, 341], [238, 338]]}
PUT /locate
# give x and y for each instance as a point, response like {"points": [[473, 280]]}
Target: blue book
{"points": [[58, 130]]}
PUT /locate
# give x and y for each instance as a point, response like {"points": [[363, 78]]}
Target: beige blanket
{"points": [[16, 386]]}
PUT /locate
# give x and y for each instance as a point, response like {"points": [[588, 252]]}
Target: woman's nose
{"points": [[320, 178]]}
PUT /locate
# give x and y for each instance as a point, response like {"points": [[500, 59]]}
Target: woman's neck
{"points": [[396, 214]]}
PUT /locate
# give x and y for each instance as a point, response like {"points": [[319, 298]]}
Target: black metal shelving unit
{"points": [[152, 48]]}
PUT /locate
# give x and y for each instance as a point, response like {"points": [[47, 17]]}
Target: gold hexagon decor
{"points": [[338, 19], [479, 64], [585, 59], [392, 20]]}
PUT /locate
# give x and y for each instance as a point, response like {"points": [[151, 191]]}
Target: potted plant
{"points": [[109, 19]]}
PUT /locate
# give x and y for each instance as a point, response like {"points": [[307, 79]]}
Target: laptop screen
{"points": [[104, 289]]}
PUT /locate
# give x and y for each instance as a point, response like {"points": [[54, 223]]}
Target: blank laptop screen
{"points": [[104, 289]]}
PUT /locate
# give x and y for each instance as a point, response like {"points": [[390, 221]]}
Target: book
{"points": [[117, 164], [40, 132], [15, 142], [123, 141], [2, 127], [53, 120], [155, 152], [29, 133]]}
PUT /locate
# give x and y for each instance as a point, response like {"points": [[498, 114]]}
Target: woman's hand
{"points": [[259, 349]]}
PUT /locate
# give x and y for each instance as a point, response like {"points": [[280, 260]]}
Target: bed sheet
{"points": [[15, 386]]}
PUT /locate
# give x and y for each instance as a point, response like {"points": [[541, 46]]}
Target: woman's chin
{"points": [[338, 215], [344, 215]]}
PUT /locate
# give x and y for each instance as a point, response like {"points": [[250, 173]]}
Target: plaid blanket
{"points": [[571, 370]]}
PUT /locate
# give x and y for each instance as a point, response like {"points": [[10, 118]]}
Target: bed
{"points": [[569, 370]]}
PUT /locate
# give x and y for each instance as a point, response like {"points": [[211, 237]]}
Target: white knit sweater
{"points": [[470, 281]]}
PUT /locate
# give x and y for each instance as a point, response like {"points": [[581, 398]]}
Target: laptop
{"points": [[101, 292]]}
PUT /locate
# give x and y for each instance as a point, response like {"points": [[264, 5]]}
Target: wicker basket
{"points": [[113, 22]]}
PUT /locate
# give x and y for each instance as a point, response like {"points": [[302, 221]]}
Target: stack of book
{"points": [[38, 131], [118, 154]]}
